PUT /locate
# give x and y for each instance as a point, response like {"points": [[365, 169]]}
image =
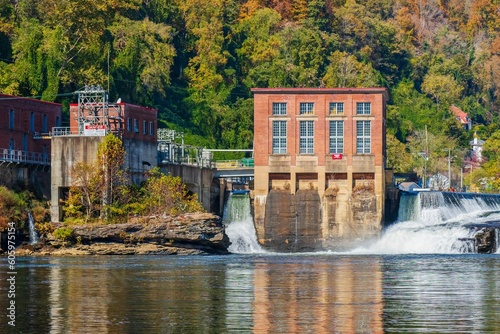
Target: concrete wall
{"points": [[198, 181], [67, 151], [140, 156], [307, 222], [34, 178]]}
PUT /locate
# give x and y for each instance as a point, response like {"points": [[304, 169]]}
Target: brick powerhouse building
{"points": [[21, 155], [319, 166]]}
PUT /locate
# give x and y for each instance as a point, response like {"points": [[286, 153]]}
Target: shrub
{"points": [[168, 195], [63, 234], [12, 208], [40, 211], [44, 228]]}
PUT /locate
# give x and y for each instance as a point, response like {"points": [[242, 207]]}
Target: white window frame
{"points": [[279, 137], [336, 136], [145, 127], [306, 108], [151, 128], [279, 108], [306, 137], [363, 137], [338, 107], [363, 108]]}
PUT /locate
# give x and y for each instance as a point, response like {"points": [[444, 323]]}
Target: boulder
{"points": [[200, 233]]}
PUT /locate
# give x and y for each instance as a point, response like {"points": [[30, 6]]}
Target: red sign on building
{"points": [[337, 156]]}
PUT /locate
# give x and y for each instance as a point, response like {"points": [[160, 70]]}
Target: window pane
{"points": [[44, 124], [279, 137], [363, 138], [279, 108], [306, 108], [306, 137], [363, 108], [336, 108], [11, 119], [336, 137]]}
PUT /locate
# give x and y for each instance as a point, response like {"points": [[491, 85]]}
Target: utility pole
{"points": [[426, 156], [449, 168]]}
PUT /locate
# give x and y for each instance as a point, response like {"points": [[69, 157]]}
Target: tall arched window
{"points": [[32, 122], [25, 142], [44, 124]]}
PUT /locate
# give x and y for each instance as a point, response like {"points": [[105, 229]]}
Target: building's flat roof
{"points": [[13, 97], [294, 90], [121, 104]]}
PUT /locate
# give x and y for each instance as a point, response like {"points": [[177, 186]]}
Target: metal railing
{"points": [[19, 156], [65, 131], [174, 153]]}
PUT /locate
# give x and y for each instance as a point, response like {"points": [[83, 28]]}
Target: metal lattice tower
{"points": [[168, 135], [93, 108]]}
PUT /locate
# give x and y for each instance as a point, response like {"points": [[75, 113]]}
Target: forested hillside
{"points": [[196, 60]]}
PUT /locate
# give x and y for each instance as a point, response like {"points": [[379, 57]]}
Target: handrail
{"points": [[20, 156], [65, 131]]}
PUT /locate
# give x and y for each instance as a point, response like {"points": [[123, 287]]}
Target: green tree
{"points": [[100, 185], [397, 157], [443, 88], [237, 126], [110, 159], [167, 195], [210, 78], [144, 56], [345, 70]]}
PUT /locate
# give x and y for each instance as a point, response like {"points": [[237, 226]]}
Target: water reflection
{"points": [[442, 294], [318, 297], [257, 294]]}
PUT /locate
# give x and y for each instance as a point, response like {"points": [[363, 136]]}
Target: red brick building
{"points": [[131, 121], [24, 120], [330, 141], [90, 120]]}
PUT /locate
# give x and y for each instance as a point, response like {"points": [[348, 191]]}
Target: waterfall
{"points": [[31, 224], [239, 225], [437, 222]]}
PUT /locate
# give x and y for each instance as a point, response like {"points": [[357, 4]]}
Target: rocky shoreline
{"points": [[189, 234]]}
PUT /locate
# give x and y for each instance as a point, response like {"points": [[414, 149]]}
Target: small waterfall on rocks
{"points": [[441, 222], [31, 225], [239, 225]]}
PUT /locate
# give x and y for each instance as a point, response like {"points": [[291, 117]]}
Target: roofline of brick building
{"points": [[14, 97], [376, 90], [122, 104]]}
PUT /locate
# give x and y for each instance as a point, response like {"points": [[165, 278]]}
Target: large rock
{"points": [[187, 234], [486, 240]]}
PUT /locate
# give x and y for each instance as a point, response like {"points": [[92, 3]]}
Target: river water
{"points": [[259, 293], [421, 276]]}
